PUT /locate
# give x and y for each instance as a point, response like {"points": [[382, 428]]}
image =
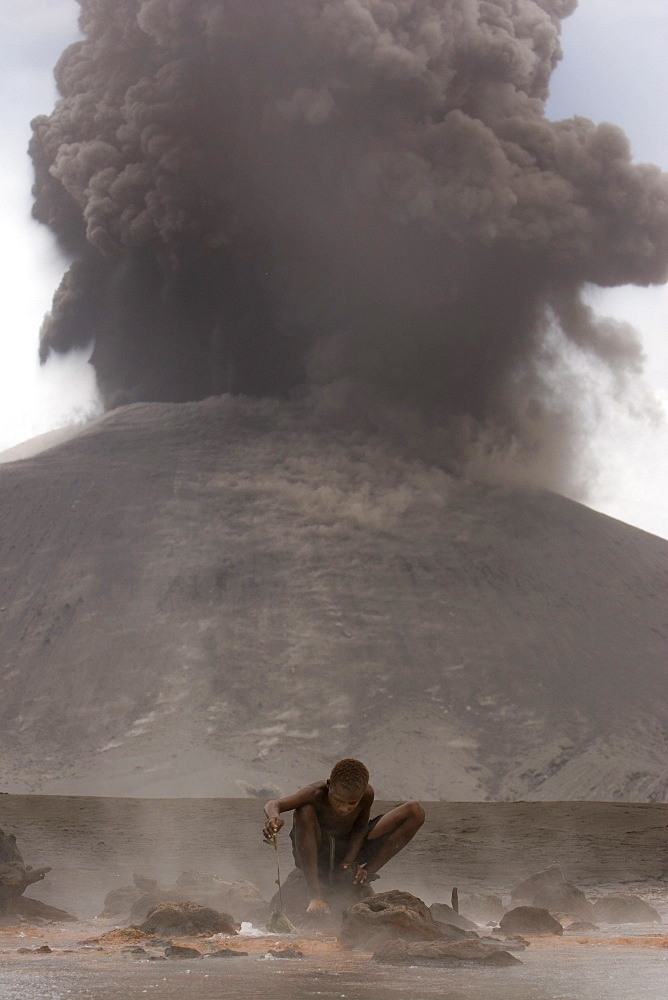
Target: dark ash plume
{"points": [[259, 196]]}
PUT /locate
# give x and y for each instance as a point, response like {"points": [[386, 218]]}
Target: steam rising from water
{"points": [[360, 200]]}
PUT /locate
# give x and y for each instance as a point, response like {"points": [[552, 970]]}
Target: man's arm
{"points": [[273, 809], [358, 832]]}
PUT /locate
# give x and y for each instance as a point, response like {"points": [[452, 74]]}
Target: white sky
{"points": [[614, 69]]}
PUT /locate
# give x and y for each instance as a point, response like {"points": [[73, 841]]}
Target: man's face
{"points": [[343, 800]]}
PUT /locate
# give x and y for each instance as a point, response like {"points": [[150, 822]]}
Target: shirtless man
{"points": [[332, 830]]}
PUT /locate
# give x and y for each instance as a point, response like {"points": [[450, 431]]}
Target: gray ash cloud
{"points": [[262, 197]]}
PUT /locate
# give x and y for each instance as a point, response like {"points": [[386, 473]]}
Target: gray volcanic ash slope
{"points": [[222, 597]]}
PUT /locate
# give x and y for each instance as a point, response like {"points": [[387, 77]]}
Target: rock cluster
{"points": [[241, 897], [400, 929], [15, 878]]}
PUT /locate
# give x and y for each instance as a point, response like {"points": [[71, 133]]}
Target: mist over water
{"points": [[356, 201], [603, 847]]}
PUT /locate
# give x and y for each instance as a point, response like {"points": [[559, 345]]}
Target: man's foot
{"points": [[317, 907]]}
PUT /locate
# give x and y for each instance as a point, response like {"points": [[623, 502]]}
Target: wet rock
{"points": [[529, 920], [565, 898], [119, 902], [42, 950], [285, 953], [550, 890], [446, 915], [549, 878], [482, 908], [400, 952], [624, 908], [145, 902], [35, 912], [582, 925], [145, 884], [393, 915], [15, 878], [178, 951], [243, 898], [135, 950], [225, 953], [181, 919]]}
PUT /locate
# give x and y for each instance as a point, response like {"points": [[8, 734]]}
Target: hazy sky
{"points": [[614, 69]]}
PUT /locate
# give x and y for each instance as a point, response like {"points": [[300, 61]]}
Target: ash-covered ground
{"points": [[94, 844]]}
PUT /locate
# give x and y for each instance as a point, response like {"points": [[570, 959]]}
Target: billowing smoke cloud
{"points": [[266, 197]]}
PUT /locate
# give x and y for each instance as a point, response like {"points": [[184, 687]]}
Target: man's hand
{"points": [[360, 874], [317, 907], [272, 826]]}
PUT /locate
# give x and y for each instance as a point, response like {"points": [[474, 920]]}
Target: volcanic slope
{"points": [[221, 598]]}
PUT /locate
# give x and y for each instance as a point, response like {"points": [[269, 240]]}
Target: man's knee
{"points": [[415, 812]]}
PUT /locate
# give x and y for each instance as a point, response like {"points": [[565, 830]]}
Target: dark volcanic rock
{"points": [[393, 915], [226, 953], [146, 901], [565, 898], [482, 907], [550, 890], [550, 878], [529, 920], [178, 951], [120, 902], [582, 925], [33, 909], [181, 919], [622, 908], [402, 952], [285, 953], [446, 915], [146, 884], [243, 898]]}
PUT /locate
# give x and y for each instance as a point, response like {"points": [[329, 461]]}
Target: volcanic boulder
{"points": [[178, 951], [241, 897], [393, 915], [15, 877], [182, 919], [622, 908], [549, 889], [530, 920]]}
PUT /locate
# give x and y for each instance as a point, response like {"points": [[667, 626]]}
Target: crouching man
{"points": [[332, 831]]}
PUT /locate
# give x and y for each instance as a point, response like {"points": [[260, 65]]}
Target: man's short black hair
{"points": [[350, 773]]}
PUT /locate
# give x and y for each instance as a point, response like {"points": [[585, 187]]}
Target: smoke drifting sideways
{"points": [[356, 201]]}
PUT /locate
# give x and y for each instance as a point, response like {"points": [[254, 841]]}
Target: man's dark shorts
{"points": [[333, 849]]}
